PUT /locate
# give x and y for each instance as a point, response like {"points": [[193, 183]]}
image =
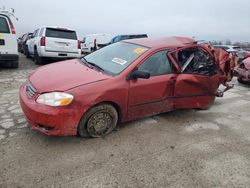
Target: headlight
{"points": [[55, 99]]}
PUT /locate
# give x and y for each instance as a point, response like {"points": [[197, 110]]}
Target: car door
{"points": [[152, 96], [87, 44], [198, 79], [8, 41], [31, 45]]}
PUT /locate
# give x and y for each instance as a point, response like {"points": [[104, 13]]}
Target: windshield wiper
{"points": [[86, 63], [92, 65], [96, 66]]}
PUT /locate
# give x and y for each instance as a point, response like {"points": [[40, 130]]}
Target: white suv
{"points": [[8, 42], [53, 42], [94, 42]]}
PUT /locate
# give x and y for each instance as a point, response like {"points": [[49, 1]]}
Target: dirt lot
{"points": [[188, 148]]}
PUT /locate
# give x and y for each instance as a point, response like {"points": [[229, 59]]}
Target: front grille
{"points": [[30, 90]]}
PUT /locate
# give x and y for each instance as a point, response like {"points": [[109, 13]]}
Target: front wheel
{"points": [[240, 80], [38, 60], [26, 52], [98, 121]]}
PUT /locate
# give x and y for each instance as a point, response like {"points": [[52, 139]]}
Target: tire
{"points": [[98, 121], [240, 80], [26, 52], [38, 60], [14, 64]]}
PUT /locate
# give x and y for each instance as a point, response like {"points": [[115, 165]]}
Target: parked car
{"points": [[243, 70], [121, 82], [119, 38], [22, 42], [53, 42], [93, 42], [8, 42], [246, 54], [19, 43], [234, 49]]}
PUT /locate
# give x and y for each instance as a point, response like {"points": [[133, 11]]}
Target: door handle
{"points": [[172, 79]]}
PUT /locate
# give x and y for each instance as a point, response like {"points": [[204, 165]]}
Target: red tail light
{"points": [[78, 44], [13, 31], [42, 41]]}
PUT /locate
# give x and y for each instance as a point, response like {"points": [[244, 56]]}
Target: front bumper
{"points": [[61, 121], [59, 54], [8, 57]]}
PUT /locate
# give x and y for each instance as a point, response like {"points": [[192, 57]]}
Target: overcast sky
{"points": [[204, 19]]}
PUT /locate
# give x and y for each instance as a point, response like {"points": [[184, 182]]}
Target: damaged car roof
{"points": [[162, 42]]}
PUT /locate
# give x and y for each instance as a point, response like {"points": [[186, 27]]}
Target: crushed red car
{"points": [[243, 70], [246, 54], [124, 81]]}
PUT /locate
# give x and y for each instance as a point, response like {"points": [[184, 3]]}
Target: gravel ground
{"points": [[186, 148]]}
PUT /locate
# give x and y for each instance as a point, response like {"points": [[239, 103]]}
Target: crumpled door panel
{"points": [[206, 85], [195, 91], [227, 62]]}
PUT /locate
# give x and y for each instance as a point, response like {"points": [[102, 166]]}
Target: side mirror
{"points": [[138, 74]]}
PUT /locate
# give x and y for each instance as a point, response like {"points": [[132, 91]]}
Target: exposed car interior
{"points": [[196, 61]]}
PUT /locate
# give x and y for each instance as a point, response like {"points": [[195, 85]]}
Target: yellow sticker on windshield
{"points": [[138, 50], [1, 36]]}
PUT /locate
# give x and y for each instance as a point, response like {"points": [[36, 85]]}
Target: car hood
{"points": [[65, 75]]}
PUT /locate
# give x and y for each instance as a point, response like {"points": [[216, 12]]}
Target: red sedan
{"points": [[122, 82], [243, 70]]}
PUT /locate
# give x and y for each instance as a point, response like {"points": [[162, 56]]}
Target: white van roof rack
{"points": [[9, 13]]}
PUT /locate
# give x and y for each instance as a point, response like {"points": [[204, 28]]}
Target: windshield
{"points": [[116, 57], [59, 33]]}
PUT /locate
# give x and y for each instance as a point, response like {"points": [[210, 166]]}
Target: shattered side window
{"points": [[196, 61]]}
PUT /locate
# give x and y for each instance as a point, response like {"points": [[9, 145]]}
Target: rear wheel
{"points": [[240, 80], [26, 52], [98, 121], [38, 60]]}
